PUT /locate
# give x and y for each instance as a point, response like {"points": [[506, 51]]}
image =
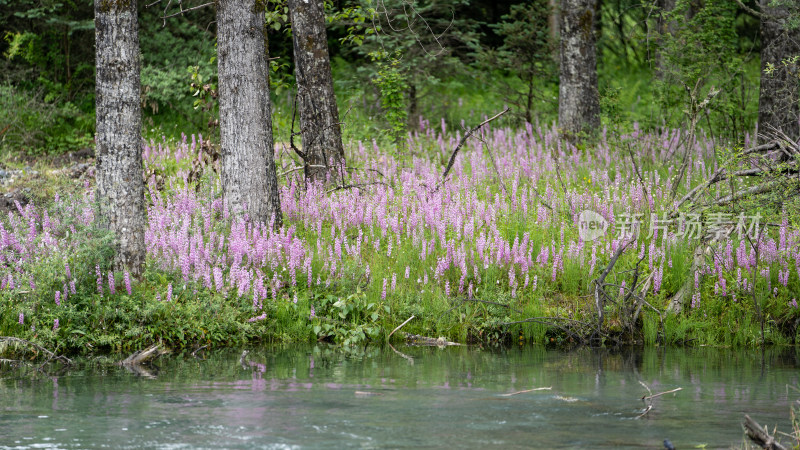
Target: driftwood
{"points": [[415, 339], [136, 361], [760, 436], [526, 391], [142, 356], [400, 326], [648, 399], [38, 348]]}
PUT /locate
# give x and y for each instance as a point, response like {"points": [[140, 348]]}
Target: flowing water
{"points": [[456, 397]]}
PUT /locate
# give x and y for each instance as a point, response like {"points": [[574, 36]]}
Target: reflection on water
{"points": [[285, 397]]}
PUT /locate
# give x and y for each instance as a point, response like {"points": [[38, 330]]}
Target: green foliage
{"points": [[30, 124], [392, 83], [701, 56], [347, 320], [527, 53]]}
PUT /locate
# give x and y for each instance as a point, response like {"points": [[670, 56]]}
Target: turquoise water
{"points": [[322, 397]]}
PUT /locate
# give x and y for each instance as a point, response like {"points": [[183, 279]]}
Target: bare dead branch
{"points": [[527, 390], [652, 396], [755, 190], [357, 185], [760, 435], [399, 326], [464, 139], [50, 355], [180, 13], [599, 282]]}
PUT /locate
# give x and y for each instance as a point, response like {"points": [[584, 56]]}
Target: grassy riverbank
{"points": [[492, 255]]}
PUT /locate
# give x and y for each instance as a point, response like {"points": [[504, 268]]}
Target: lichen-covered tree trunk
{"points": [[249, 181], [319, 115], [578, 98], [778, 95], [120, 187]]}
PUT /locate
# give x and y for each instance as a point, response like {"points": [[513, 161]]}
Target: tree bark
{"points": [[778, 95], [249, 181], [319, 115], [553, 24], [118, 138], [578, 98], [666, 28]]}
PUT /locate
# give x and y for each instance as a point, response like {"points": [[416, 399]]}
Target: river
{"points": [[411, 397]]}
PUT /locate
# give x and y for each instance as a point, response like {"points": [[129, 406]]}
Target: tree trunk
{"points": [[666, 28], [578, 99], [778, 95], [249, 181], [554, 22], [118, 139], [319, 115]]}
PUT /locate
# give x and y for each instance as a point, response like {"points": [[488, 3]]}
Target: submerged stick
{"points": [[649, 397], [527, 390]]}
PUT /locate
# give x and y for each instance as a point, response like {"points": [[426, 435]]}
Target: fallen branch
{"points": [[194, 353], [649, 397], [50, 355], [142, 356], [357, 185], [599, 282], [415, 339], [180, 13], [644, 413], [760, 435], [527, 390], [464, 139], [400, 326], [755, 190]]}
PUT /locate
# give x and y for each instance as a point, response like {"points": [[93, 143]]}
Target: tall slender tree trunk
{"points": [[120, 187], [666, 27], [553, 25], [778, 95], [249, 181], [319, 115], [578, 98]]}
